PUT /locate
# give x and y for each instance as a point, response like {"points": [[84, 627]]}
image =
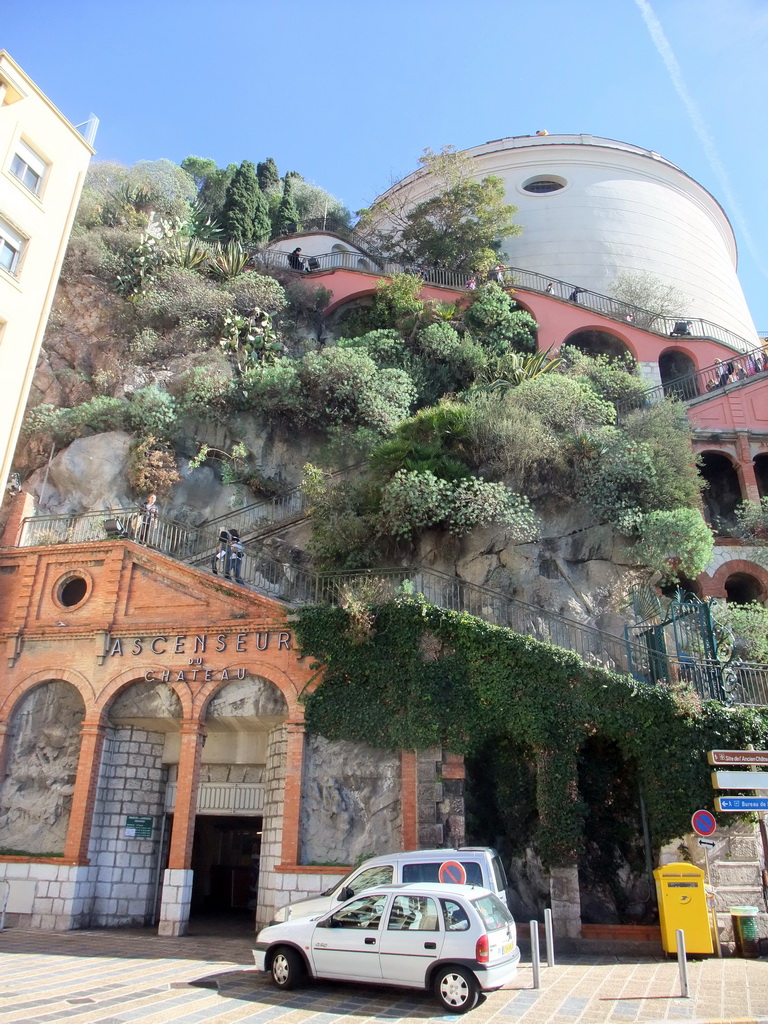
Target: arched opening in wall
{"points": [[238, 800], [131, 821], [41, 768], [723, 491], [613, 882], [761, 474], [677, 371], [683, 584], [598, 343], [352, 318], [743, 588]]}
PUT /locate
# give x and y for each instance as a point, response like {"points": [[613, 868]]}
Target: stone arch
{"points": [[139, 673], [42, 753], [677, 370], [597, 341], [723, 492]]}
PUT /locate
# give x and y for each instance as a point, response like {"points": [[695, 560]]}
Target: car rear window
{"points": [[427, 872], [493, 912], [499, 874]]}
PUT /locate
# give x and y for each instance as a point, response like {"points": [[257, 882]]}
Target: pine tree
{"points": [[266, 172], [262, 225], [240, 204], [287, 218]]}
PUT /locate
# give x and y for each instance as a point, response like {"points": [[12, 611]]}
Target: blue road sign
{"points": [[704, 823], [741, 803]]}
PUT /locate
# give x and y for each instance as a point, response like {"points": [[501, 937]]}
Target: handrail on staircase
{"points": [[297, 585]]}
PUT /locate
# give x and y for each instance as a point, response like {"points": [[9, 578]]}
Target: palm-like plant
{"points": [[507, 371], [228, 261]]}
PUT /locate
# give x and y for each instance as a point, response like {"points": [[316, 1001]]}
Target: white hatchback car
{"points": [[457, 940]]}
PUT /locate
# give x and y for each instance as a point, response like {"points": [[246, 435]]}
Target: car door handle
{"points": [[430, 945], [370, 942]]}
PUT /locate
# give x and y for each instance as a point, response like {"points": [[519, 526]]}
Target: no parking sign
{"points": [[452, 873]]}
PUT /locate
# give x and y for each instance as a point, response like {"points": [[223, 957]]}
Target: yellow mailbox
{"points": [[683, 904]]}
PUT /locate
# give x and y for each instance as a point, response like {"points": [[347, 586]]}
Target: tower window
{"points": [[542, 185]]}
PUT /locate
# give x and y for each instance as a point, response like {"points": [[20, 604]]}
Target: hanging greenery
{"points": [[407, 675]]}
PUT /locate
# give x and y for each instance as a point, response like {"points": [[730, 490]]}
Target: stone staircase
{"points": [[736, 874]]}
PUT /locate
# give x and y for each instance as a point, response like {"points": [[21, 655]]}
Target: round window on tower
{"points": [[542, 184]]}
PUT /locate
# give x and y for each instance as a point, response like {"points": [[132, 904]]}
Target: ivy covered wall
{"points": [[407, 675]]}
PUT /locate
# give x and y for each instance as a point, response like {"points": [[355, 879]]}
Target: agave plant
{"points": [[511, 369], [228, 261], [186, 252]]}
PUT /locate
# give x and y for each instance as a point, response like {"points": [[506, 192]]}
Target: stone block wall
{"points": [[123, 869], [350, 802], [271, 883]]}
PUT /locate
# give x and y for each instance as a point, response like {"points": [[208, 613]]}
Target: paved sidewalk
{"points": [[137, 977]]}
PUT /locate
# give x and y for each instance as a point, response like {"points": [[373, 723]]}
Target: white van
{"points": [[480, 865]]}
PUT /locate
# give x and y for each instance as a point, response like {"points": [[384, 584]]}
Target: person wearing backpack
{"points": [[237, 555], [220, 560]]}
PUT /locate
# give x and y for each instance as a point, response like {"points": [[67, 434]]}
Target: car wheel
{"points": [[287, 968], [456, 989]]}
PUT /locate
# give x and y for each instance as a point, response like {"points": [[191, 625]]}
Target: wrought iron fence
{"points": [[615, 309], [297, 585]]}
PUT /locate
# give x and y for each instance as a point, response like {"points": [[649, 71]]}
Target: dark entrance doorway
{"points": [[225, 861]]}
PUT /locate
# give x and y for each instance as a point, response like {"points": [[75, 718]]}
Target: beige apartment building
{"points": [[43, 160]]}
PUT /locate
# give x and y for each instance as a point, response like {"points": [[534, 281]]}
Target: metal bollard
{"points": [[682, 963], [549, 936], [535, 956]]}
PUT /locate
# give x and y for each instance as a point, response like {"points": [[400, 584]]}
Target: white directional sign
{"points": [[740, 780]]}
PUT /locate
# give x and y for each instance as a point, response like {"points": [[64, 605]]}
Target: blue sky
{"points": [[350, 92]]}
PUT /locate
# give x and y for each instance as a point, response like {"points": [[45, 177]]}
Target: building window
{"points": [[28, 167], [541, 185], [11, 248]]}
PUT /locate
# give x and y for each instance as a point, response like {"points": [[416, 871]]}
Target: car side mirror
{"points": [[346, 893]]}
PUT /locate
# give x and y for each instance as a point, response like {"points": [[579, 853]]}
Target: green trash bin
{"points": [[744, 921]]}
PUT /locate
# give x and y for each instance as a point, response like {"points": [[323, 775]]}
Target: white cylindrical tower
{"points": [[593, 208]]}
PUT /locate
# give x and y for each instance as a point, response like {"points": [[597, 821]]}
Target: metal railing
{"points": [[297, 585], [701, 383], [615, 309]]}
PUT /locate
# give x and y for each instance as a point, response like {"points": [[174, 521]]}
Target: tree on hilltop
{"points": [[266, 172], [460, 226], [245, 214], [287, 221]]}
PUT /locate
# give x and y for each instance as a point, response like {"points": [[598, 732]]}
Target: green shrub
{"points": [[414, 501], [179, 298], [386, 348], [752, 517], [272, 389], [619, 483], [667, 434], [506, 439], [152, 411], [498, 324], [250, 290], [749, 624], [205, 393], [613, 378], [342, 385], [565, 405], [674, 543]]}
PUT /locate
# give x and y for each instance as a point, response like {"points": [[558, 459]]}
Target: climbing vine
{"points": [[423, 676]]}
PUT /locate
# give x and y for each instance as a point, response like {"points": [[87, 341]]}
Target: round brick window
{"points": [[72, 590]]}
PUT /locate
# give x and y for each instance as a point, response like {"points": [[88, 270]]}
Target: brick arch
{"points": [[66, 675], [714, 585], [137, 674], [279, 678], [603, 328], [720, 449]]}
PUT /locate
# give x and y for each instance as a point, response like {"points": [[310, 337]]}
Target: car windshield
{"points": [[493, 912]]}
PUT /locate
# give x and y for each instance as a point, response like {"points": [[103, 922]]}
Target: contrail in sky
{"points": [[699, 125]]}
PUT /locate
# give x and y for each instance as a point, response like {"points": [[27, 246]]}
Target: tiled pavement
{"points": [[137, 977]]}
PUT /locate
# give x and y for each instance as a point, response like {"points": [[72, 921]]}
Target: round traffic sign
{"points": [[704, 823], [452, 873]]}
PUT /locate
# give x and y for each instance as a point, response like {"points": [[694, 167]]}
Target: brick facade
{"points": [[145, 620]]}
